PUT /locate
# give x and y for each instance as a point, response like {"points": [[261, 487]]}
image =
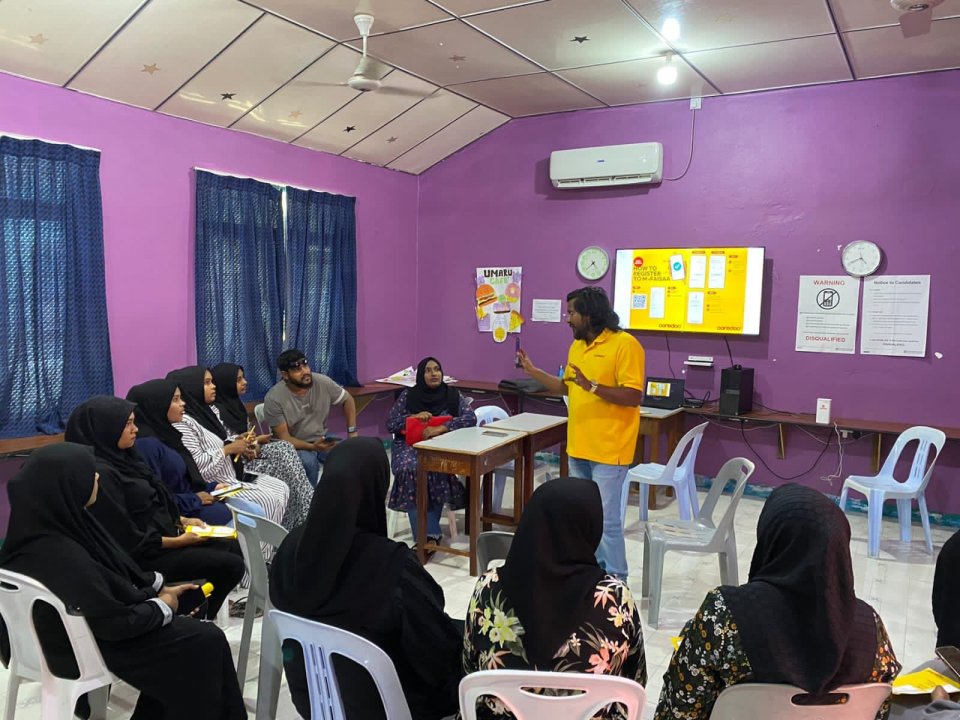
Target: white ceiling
{"points": [[454, 69]]}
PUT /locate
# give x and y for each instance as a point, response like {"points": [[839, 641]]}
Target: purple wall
{"points": [[798, 171], [148, 205]]}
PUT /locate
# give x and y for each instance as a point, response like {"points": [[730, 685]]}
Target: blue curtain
{"points": [[239, 275], [322, 259], [53, 334]]}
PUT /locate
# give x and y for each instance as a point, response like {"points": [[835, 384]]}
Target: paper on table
{"points": [[546, 310], [923, 682]]}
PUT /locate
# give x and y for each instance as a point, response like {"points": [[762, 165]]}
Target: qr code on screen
{"points": [[638, 302]]}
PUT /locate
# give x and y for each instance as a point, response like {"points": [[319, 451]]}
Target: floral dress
{"points": [[711, 658], [609, 641], [443, 488]]}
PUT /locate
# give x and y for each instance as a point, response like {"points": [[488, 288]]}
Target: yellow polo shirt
{"points": [[599, 430]]}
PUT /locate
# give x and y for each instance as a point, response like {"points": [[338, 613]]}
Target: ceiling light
{"points": [[667, 75], [671, 29]]}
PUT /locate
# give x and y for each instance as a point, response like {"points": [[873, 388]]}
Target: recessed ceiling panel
{"points": [[468, 7], [636, 82], [460, 132], [884, 51], [723, 23], [572, 33], [773, 65], [243, 75], [448, 53], [315, 94], [334, 18], [368, 113], [528, 95], [167, 42], [415, 125], [51, 41]]}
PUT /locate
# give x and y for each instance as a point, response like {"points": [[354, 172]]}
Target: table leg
{"points": [[564, 461], [473, 510], [487, 500], [524, 489], [422, 491]]}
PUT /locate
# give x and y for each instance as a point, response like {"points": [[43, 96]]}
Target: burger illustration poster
{"points": [[498, 301]]}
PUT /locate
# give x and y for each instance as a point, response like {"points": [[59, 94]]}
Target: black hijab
{"points": [[946, 593], [190, 380], [125, 476], [551, 571], [52, 538], [153, 400], [441, 400], [233, 412], [339, 567], [798, 617]]}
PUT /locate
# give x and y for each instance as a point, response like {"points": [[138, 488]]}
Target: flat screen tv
{"points": [[700, 290]]}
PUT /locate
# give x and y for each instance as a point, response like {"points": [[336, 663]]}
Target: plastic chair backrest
{"points": [[490, 413], [736, 469], [260, 416], [756, 700], [920, 471], [18, 594], [597, 692], [252, 530], [692, 440], [492, 545], [320, 643]]}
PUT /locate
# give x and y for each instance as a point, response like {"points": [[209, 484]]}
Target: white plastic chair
{"points": [[509, 686], [701, 535], [320, 643], [753, 700], [492, 413], [252, 532], [677, 473], [58, 696], [492, 546], [884, 486]]}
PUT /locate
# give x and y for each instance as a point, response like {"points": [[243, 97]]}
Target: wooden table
{"points": [[784, 420], [540, 433], [474, 452]]}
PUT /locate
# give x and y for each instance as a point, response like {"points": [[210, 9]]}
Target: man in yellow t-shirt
{"points": [[604, 381]]}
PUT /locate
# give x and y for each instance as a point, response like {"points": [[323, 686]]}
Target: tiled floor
{"points": [[898, 585]]}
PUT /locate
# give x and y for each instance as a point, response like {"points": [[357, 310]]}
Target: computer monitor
{"points": [[665, 393]]}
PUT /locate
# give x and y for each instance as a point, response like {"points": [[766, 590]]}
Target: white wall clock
{"points": [[861, 258], [593, 263]]}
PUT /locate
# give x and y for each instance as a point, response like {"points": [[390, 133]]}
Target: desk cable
{"points": [[774, 472]]}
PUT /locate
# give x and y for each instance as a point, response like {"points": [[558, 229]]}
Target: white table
{"points": [[474, 452]]}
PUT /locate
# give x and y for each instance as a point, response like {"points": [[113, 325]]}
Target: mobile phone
{"points": [[951, 658], [517, 362], [494, 433], [193, 598]]}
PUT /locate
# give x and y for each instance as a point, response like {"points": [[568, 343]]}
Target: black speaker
{"points": [[736, 390]]}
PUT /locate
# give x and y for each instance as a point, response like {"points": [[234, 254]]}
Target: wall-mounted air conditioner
{"points": [[637, 163]]}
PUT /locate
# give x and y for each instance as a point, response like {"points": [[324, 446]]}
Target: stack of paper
{"points": [[212, 531], [923, 683]]}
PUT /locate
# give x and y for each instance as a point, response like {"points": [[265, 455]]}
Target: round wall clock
{"points": [[593, 263], [861, 258]]}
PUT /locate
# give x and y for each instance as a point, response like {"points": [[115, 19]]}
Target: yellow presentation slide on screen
{"points": [[706, 290]]}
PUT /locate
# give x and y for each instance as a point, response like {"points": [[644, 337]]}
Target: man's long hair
{"points": [[593, 302]]}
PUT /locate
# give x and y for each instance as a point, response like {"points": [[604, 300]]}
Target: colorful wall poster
{"points": [[498, 301], [827, 314]]}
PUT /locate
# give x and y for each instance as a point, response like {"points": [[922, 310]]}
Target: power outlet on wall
{"points": [[695, 103]]}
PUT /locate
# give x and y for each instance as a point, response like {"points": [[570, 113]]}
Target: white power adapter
{"points": [[823, 411]]}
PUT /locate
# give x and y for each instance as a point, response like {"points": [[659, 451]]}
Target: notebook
{"points": [[663, 393]]}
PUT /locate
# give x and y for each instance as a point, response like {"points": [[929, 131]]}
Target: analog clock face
{"points": [[593, 263], [861, 258]]}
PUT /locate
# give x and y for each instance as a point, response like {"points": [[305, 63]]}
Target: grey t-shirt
{"points": [[305, 415]]}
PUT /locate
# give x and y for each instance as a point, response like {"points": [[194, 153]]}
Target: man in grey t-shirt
{"points": [[297, 408]]}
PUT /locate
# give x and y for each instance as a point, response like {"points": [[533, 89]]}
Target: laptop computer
{"points": [[663, 393]]}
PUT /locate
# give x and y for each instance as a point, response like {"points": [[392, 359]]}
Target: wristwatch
{"points": [[351, 429], [593, 386]]}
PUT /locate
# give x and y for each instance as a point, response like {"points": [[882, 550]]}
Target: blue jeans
{"points": [[612, 551], [433, 521], [312, 460]]}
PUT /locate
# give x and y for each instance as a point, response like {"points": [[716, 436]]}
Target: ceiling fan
{"points": [[917, 15]]}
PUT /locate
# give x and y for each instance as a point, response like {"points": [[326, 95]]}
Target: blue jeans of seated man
{"points": [[312, 460], [612, 552], [433, 521]]}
